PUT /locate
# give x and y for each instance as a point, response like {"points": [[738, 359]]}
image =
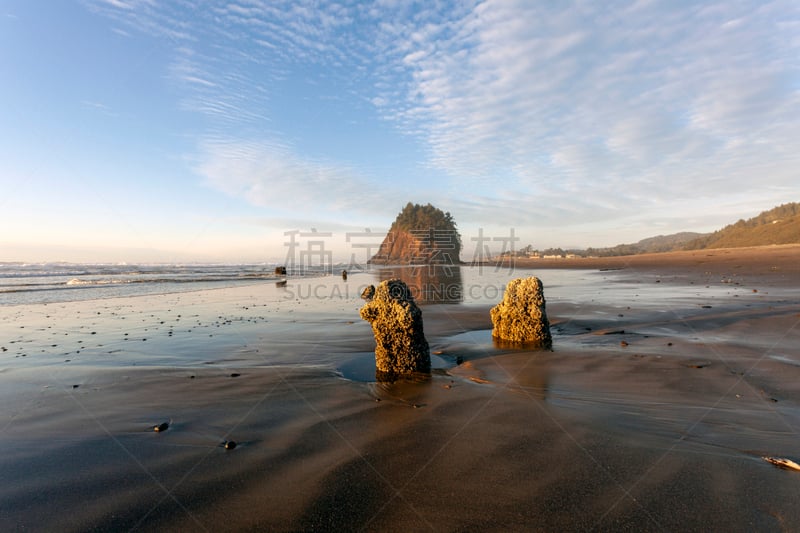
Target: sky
{"points": [[167, 131]]}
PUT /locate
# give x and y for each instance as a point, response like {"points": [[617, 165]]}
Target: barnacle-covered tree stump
{"points": [[400, 345], [521, 317]]}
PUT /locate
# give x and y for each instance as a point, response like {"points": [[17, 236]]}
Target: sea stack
{"points": [[521, 318], [400, 345], [420, 235]]}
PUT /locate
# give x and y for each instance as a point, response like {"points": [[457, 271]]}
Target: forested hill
{"points": [[780, 225], [660, 243]]}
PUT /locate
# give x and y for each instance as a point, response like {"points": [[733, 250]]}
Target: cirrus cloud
{"points": [[616, 113]]}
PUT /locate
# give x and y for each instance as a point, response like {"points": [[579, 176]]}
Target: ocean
{"points": [[44, 283], [35, 283]]}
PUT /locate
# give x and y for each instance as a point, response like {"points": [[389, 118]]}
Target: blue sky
{"points": [[154, 130]]}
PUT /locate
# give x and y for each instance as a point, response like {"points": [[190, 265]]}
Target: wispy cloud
{"points": [[269, 173], [99, 107], [162, 20], [118, 4], [628, 110], [589, 90]]}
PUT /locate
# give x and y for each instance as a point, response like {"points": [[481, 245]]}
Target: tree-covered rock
{"points": [[421, 234]]}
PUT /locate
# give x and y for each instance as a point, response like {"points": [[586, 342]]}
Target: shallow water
{"points": [[315, 321]]}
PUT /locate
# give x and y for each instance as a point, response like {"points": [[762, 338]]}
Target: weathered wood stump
{"points": [[520, 318], [400, 345]]}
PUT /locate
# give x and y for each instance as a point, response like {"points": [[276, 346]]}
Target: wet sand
{"points": [[649, 414]]}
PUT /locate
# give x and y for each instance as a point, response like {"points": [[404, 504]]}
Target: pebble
{"points": [[229, 444], [161, 427]]}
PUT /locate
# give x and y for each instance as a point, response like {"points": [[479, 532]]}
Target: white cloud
{"points": [[647, 97], [271, 174], [619, 111]]}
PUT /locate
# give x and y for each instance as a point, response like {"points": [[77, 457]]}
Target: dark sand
{"points": [[646, 416]]}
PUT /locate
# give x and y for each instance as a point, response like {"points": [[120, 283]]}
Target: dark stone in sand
{"points": [[400, 345], [521, 317], [163, 426], [229, 444]]}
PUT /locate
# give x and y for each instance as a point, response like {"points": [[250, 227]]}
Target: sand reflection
{"points": [[525, 372]]}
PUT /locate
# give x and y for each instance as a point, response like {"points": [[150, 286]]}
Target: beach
{"points": [[671, 377]]}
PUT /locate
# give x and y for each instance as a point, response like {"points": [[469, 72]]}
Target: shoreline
{"points": [[762, 260]]}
